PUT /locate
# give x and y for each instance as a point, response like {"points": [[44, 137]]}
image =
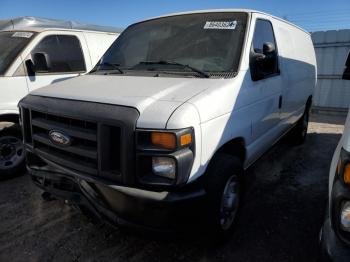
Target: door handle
{"points": [[280, 102]]}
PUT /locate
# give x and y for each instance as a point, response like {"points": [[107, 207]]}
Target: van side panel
{"points": [[98, 43], [232, 110], [298, 68]]}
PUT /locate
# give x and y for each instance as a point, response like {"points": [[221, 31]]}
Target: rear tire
{"points": [[12, 156], [223, 188]]}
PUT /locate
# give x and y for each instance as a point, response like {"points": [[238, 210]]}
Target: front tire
{"points": [[223, 188], [12, 157], [299, 132]]}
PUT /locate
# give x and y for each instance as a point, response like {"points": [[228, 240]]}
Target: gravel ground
{"points": [[280, 220]]}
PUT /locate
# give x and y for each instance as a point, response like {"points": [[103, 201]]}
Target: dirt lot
{"points": [[280, 220]]}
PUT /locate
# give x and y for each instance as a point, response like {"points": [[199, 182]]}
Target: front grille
{"points": [[83, 152], [102, 140], [80, 155]]}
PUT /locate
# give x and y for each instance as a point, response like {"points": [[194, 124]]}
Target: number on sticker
{"points": [[228, 25]]}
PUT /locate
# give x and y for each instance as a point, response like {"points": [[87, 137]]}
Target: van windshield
{"points": [[11, 44], [209, 42]]}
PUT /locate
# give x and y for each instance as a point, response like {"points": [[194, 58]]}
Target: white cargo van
{"points": [[36, 52], [161, 132], [335, 233]]}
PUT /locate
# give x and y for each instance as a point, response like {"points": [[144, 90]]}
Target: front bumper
{"points": [[332, 248], [121, 205]]}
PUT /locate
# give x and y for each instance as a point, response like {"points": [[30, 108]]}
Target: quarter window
{"points": [[64, 51]]}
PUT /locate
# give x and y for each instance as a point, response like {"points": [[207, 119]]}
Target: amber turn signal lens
{"points": [[347, 174], [185, 140], [165, 140]]}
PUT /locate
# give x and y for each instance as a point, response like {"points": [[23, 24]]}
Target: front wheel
{"points": [[12, 157], [299, 132], [223, 188]]}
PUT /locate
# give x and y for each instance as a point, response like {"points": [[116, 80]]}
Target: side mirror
{"points": [[41, 62], [30, 67], [346, 74], [262, 64], [256, 66]]}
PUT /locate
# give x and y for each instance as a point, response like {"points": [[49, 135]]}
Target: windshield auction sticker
{"points": [[23, 34], [229, 25]]}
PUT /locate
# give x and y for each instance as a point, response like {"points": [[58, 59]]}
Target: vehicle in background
{"points": [[36, 52], [335, 234], [159, 133]]}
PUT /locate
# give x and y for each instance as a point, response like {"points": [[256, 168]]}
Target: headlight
{"points": [[164, 167], [164, 157], [341, 198], [345, 216]]}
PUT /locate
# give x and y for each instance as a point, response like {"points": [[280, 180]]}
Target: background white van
{"points": [[36, 52]]}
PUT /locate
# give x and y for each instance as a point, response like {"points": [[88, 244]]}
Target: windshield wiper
{"points": [[162, 62], [114, 66]]}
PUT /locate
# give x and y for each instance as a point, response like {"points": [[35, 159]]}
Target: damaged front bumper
{"points": [[122, 205]]}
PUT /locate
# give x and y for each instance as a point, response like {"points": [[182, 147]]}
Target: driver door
{"points": [[268, 86]]}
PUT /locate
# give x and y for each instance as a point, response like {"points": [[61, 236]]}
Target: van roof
{"points": [[228, 10], [39, 24]]}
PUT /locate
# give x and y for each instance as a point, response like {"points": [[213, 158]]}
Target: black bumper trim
{"points": [[120, 205], [332, 248]]}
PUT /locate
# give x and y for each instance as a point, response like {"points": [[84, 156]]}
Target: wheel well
{"points": [[234, 147], [12, 118]]}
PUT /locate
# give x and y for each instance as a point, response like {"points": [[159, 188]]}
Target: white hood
{"points": [[155, 98]]}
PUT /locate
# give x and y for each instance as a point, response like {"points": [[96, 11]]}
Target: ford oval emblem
{"points": [[59, 138]]}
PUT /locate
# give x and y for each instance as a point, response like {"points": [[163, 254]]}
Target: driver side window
{"points": [[263, 35], [64, 51]]}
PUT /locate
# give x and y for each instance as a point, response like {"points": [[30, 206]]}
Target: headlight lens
{"points": [[345, 217], [164, 167], [164, 157]]}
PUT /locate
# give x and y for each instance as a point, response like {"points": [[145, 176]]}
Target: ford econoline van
{"points": [[161, 130]]}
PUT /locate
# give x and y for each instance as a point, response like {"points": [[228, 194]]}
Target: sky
{"points": [[313, 15]]}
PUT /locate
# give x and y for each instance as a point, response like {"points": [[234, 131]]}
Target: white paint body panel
{"points": [[14, 88], [343, 143], [218, 109]]}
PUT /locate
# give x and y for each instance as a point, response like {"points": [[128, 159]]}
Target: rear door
{"points": [[66, 58]]}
